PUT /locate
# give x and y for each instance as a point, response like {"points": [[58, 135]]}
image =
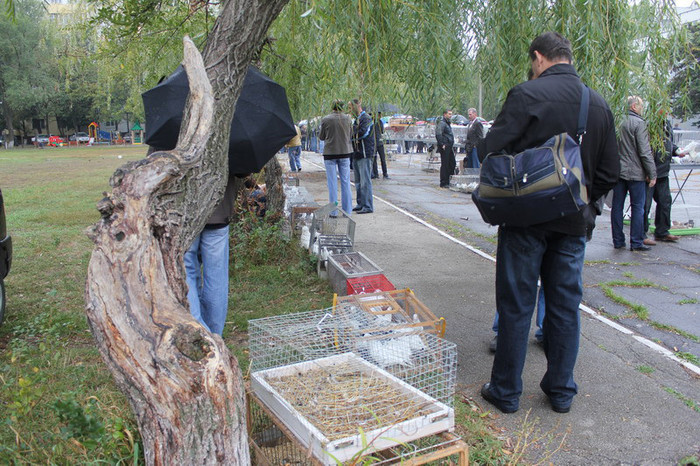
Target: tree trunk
{"points": [[184, 386], [274, 189]]}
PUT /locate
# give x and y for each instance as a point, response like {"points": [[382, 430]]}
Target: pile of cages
{"points": [[401, 307], [336, 377]]}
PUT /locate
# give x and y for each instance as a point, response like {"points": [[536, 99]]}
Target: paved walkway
{"points": [[633, 401]]}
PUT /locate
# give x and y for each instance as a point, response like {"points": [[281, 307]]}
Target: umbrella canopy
{"points": [[262, 123]]}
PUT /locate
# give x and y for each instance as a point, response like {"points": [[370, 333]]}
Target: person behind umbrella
{"points": [[336, 132], [294, 151], [206, 266], [363, 141]]}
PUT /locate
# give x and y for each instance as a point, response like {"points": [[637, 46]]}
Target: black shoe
{"points": [[561, 409], [494, 344], [640, 248], [386, 177], [374, 177], [486, 395], [622, 246], [365, 211], [355, 209]]}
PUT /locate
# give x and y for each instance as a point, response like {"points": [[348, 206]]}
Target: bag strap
{"points": [[583, 112]]}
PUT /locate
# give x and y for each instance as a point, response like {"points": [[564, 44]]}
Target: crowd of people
{"points": [[539, 267]]}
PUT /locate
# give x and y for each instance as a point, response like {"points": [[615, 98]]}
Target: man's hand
{"points": [[651, 182]]}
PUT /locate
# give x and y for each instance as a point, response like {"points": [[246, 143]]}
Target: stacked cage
{"points": [[353, 272], [401, 306], [333, 374], [332, 232]]}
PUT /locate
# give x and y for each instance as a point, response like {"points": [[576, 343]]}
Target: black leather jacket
{"points": [[538, 109]]}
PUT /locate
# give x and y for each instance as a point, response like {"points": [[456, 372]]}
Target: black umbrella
{"points": [[262, 122]]}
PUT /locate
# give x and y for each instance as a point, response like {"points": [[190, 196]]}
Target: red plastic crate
{"points": [[369, 284]]}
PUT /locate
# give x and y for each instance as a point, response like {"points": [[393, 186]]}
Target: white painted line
{"points": [[669, 354], [592, 312]]}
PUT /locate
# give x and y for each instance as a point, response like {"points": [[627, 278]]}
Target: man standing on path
{"points": [[336, 131], [474, 134], [445, 145], [379, 143], [533, 112], [636, 170], [363, 141], [661, 192]]}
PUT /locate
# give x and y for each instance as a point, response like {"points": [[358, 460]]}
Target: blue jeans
{"points": [[363, 183], [524, 254], [539, 336], [206, 265], [474, 159], [333, 169], [294, 158], [637, 190]]}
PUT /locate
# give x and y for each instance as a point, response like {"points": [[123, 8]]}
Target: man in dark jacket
{"points": [[363, 142], [474, 134], [445, 146], [379, 143], [533, 112], [661, 191]]}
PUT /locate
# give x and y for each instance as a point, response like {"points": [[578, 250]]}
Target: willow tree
{"points": [[619, 48], [183, 384]]}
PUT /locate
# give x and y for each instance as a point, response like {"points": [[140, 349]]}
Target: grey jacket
{"points": [[336, 131], [636, 159]]}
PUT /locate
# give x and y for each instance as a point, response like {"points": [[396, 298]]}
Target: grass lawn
{"points": [[58, 402]]}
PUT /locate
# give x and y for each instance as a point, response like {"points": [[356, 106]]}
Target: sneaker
{"points": [[494, 344], [355, 209]]}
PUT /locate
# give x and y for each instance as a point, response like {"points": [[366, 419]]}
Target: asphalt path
{"points": [[639, 397]]}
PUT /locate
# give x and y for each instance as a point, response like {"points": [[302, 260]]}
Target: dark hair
{"points": [[356, 102], [446, 110], [553, 46], [338, 105]]}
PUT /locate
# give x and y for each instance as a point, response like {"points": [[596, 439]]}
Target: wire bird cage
{"points": [[401, 306], [331, 221], [344, 266], [337, 377], [420, 359], [327, 246], [273, 444]]}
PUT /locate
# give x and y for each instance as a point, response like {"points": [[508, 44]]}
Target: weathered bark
{"points": [[274, 188], [182, 382]]}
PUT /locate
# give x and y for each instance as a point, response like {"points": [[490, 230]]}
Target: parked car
{"points": [[5, 256], [80, 137], [56, 141], [41, 139]]}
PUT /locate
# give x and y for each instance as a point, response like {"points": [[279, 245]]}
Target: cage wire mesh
{"points": [[406, 309], [344, 266], [420, 359], [330, 220]]}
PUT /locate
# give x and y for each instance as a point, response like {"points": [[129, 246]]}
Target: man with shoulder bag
{"points": [[538, 111]]}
